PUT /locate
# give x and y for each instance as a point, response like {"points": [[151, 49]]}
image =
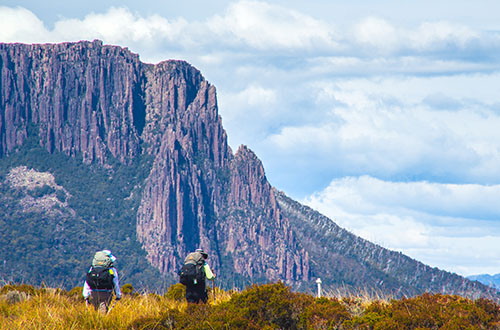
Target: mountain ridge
{"points": [[487, 279], [98, 107]]}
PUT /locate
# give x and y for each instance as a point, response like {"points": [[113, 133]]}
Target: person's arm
{"points": [[116, 284], [86, 290], [208, 272]]}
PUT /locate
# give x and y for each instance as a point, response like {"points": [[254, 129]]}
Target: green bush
{"points": [[267, 305], [28, 289], [176, 292], [76, 293], [431, 311], [275, 306], [324, 313], [127, 289]]}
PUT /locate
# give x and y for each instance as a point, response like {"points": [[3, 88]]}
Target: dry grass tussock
{"points": [[357, 301]]}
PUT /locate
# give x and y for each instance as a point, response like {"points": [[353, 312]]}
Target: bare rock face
{"points": [[198, 194], [80, 97], [259, 235], [46, 200], [184, 133]]}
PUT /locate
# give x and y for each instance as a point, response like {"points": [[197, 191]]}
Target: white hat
{"points": [[112, 257]]}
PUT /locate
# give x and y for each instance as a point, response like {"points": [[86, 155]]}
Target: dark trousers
{"points": [[196, 293], [101, 300]]}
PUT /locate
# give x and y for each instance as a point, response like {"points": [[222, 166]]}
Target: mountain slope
{"points": [[140, 164], [490, 280], [356, 262]]}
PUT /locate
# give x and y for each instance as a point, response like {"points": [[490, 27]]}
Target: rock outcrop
{"points": [[101, 103]]}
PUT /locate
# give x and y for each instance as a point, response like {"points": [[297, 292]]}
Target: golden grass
{"points": [[52, 309], [357, 301]]}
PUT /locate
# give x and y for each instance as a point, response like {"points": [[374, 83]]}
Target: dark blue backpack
{"points": [[100, 278], [192, 272]]}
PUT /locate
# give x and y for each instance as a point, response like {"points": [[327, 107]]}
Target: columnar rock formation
{"points": [[81, 97]]}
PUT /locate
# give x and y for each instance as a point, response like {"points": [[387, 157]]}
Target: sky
{"points": [[383, 115]]}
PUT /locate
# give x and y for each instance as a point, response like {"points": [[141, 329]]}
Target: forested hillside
{"points": [[57, 212]]}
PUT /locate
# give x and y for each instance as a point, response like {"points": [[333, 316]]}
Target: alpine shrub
{"points": [[324, 313], [271, 305], [127, 289], [28, 289], [176, 292]]}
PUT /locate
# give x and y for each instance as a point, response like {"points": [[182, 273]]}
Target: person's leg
{"points": [[100, 300], [191, 296], [103, 307], [201, 294], [94, 299], [204, 296], [204, 292], [105, 301]]}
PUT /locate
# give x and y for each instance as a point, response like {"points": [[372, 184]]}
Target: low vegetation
{"points": [[267, 306]]}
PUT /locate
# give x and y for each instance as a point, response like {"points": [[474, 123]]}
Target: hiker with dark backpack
{"points": [[194, 274], [101, 281]]}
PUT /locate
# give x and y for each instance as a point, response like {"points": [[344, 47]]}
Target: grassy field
{"points": [[269, 306]]}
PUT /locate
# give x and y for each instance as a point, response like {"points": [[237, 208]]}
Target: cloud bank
{"points": [[439, 224], [256, 27]]}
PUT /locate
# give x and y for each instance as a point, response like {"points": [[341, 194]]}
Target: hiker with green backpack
{"points": [[101, 281], [193, 274]]}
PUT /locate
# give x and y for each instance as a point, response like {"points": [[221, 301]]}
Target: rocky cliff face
{"points": [[81, 97], [260, 239], [102, 104]]}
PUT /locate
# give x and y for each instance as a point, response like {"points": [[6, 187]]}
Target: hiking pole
{"points": [[213, 285], [114, 303]]}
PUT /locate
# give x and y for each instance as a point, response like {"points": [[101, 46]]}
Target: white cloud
{"points": [[450, 40], [432, 35], [265, 26], [248, 112], [436, 223], [256, 96], [120, 26], [115, 26], [451, 200], [377, 33], [250, 26], [383, 128], [21, 25]]}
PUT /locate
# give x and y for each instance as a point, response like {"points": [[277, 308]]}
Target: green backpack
{"points": [[102, 259]]}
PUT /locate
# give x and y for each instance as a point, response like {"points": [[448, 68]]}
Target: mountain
{"points": [[490, 280], [99, 150]]}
